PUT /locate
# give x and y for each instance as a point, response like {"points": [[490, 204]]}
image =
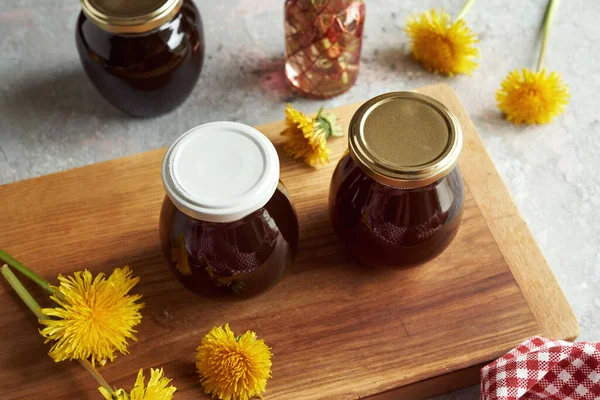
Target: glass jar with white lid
{"points": [[227, 224]]}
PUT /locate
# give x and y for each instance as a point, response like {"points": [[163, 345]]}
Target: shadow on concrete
{"points": [[59, 96]]}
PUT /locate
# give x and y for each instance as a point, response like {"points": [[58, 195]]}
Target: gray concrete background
{"points": [[52, 119]]}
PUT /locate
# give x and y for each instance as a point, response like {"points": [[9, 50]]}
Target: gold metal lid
{"points": [[405, 139], [130, 16]]}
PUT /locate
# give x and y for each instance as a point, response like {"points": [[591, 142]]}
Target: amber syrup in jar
{"points": [[227, 225], [396, 197], [143, 56]]}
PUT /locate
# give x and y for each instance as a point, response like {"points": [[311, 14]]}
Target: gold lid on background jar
{"points": [[405, 139], [130, 16]]}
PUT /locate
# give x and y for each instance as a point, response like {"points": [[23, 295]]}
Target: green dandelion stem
{"points": [[319, 113], [16, 264], [548, 18], [465, 9], [94, 372], [23, 293]]}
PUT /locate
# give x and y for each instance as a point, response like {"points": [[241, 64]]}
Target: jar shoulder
{"points": [[349, 178], [277, 216], [184, 30]]}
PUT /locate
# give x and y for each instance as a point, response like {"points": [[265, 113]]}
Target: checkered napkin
{"points": [[544, 369]]}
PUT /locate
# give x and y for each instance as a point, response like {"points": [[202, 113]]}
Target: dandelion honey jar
{"points": [[227, 224], [396, 197], [143, 56]]}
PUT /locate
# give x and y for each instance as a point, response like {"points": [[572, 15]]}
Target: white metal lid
{"points": [[221, 171]]}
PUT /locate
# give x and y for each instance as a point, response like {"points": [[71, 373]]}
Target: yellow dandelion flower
{"points": [[303, 141], [532, 97], [233, 368], [179, 256], [158, 388], [226, 281], [94, 318], [442, 46]]}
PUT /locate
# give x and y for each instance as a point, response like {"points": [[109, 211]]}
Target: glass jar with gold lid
{"points": [[143, 56], [396, 197]]}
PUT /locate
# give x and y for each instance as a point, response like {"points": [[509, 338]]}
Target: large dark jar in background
{"points": [[396, 197], [144, 56], [227, 225]]}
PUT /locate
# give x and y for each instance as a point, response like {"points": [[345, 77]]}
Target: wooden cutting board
{"points": [[338, 330]]}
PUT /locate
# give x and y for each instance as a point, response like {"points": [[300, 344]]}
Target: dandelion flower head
{"points": [[442, 46], [179, 256], [532, 97], [94, 317], [233, 368], [158, 388], [303, 140]]}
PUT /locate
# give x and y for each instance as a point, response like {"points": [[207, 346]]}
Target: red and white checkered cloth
{"points": [[544, 369]]}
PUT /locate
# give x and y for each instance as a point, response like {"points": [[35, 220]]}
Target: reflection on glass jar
{"points": [[323, 44], [227, 225], [144, 57], [396, 197]]}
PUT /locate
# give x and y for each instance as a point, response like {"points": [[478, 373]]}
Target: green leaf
{"points": [[327, 123]]}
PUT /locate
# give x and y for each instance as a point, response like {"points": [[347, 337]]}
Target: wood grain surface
{"points": [[338, 330]]}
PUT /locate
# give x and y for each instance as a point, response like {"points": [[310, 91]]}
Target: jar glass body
{"points": [[323, 44], [387, 226], [234, 259], [144, 74]]}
